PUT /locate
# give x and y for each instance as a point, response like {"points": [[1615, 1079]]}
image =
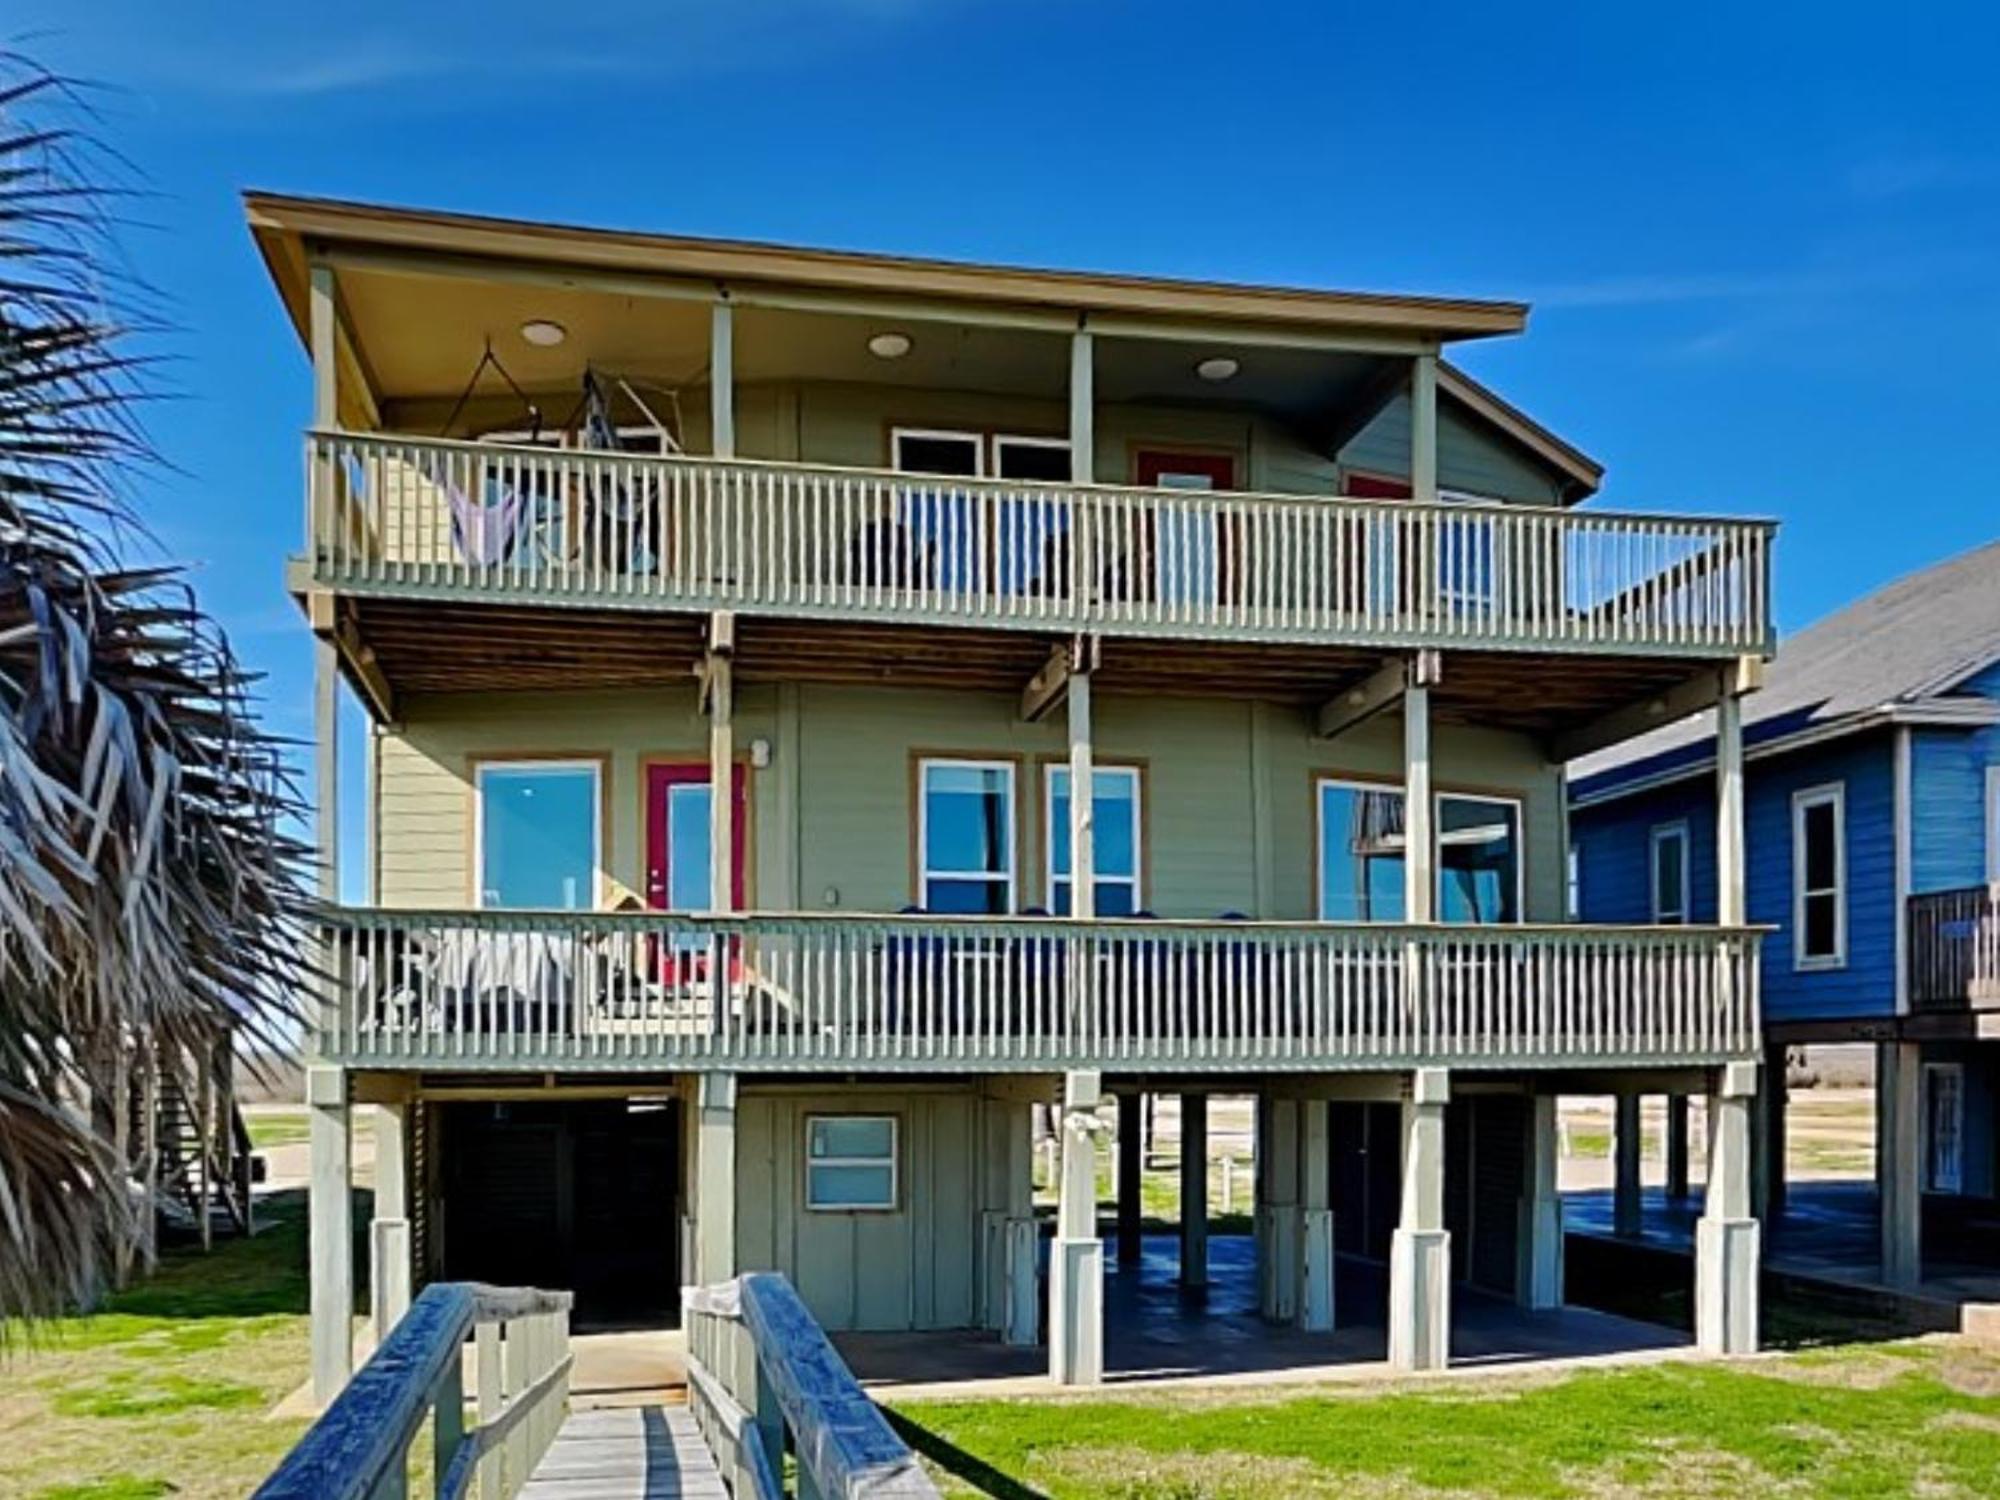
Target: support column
{"points": [[1194, 1190], [1131, 1178], [330, 1231], [1424, 429], [1731, 902], [1278, 1218], [1012, 1240], [1677, 1147], [1420, 1251], [1899, 1161], [719, 698], [715, 1179], [1769, 1165], [1419, 803], [1315, 1299], [722, 381], [1727, 1238], [1082, 407], [1539, 1281], [1082, 791], [1627, 1146], [389, 1233], [1076, 1261]]}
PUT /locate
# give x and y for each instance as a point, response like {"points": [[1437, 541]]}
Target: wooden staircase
{"points": [[190, 1147]]}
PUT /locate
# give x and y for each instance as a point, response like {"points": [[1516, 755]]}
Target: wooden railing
{"points": [[498, 990], [434, 518], [359, 1449], [1954, 948], [762, 1379]]}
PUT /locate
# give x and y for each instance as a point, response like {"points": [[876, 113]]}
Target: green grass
{"points": [[164, 1390], [1902, 1419], [276, 1127]]}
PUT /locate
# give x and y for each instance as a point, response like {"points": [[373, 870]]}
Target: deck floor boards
{"points": [[627, 1453]]}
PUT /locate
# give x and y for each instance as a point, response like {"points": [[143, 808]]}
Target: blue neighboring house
{"points": [[1872, 824]]}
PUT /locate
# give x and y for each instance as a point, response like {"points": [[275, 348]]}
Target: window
{"points": [[1819, 878], [850, 1162], [1361, 855], [1670, 874], [965, 834], [1041, 459], [537, 833], [1115, 819], [1944, 1127], [916, 450]]}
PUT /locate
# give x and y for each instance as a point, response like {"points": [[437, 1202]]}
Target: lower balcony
{"points": [[1954, 940], [530, 991]]}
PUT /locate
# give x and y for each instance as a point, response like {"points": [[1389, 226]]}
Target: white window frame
{"points": [[1683, 913], [1993, 825], [925, 874], [1954, 1181], [1831, 794], [895, 1199], [1022, 440], [536, 763], [1137, 878], [1438, 799], [946, 434]]}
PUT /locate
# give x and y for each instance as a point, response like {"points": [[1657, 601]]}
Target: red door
{"points": [[1188, 553], [677, 864]]}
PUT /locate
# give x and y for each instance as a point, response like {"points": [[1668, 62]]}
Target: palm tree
{"points": [[151, 897]]}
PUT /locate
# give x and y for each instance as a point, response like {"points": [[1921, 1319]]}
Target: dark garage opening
{"points": [[580, 1196]]}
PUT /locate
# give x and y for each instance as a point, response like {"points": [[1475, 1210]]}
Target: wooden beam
{"points": [[1690, 696], [1362, 699], [1048, 689]]}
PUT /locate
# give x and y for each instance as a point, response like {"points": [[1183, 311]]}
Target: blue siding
{"points": [[1613, 844], [1948, 813]]}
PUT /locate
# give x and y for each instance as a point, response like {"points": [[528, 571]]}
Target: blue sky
{"points": [[1761, 241]]}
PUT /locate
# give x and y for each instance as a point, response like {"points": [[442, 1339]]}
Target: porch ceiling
{"points": [[434, 647]]}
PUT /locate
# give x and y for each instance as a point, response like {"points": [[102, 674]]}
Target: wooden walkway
{"points": [[627, 1453]]}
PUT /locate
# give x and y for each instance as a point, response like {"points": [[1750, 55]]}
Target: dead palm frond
{"points": [[150, 897]]}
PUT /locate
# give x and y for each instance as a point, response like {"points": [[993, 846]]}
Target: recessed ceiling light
{"points": [[1217, 367], [889, 345], [543, 333]]}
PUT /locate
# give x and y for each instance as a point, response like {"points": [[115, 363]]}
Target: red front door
{"points": [[1188, 550], [1184, 471], [677, 855]]}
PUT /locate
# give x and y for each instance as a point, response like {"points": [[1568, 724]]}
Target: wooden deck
{"points": [[627, 1453]]}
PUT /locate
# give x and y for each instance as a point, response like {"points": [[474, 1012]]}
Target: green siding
{"points": [[1471, 458]]}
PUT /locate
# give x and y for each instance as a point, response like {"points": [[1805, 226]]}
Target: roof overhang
{"points": [[1966, 713], [291, 230]]}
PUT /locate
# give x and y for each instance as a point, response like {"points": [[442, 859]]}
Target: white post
{"points": [[1082, 402], [1420, 1250], [1899, 1161], [1419, 806], [1627, 1191], [719, 684], [715, 1179], [722, 381], [1539, 1282], [1194, 1190], [1278, 1218], [1315, 1216], [330, 1232], [1424, 429], [1731, 906], [389, 1278], [1082, 794], [1727, 1238], [1076, 1261], [322, 324]]}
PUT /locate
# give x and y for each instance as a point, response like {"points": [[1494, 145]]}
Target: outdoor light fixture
{"points": [[889, 345], [1217, 368], [543, 333]]}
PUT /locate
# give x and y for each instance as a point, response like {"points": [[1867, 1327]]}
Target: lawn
{"points": [[1897, 1419], [164, 1391]]}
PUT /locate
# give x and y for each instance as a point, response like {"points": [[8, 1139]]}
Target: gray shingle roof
{"points": [[1909, 639]]}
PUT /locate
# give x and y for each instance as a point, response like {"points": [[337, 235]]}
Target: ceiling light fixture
{"points": [[543, 333], [889, 345], [1217, 367]]}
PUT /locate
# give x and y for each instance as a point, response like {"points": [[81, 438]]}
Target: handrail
{"points": [[495, 989], [1954, 947], [762, 1375], [441, 518], [359, 1449]]}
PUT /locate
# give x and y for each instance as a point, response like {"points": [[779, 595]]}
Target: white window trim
{"points": [[1438, 798], [528, 763], [1993, 825], [950, 434], [925, 874], [1832, 794], [1930, 1071], [1137, 878], [1662, 832], [1022, 440], [895, 1166]]}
